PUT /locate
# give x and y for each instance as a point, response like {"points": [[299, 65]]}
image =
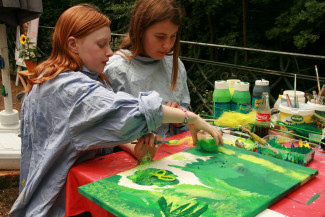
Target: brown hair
{"points": [[78, 21], [145, 14]]}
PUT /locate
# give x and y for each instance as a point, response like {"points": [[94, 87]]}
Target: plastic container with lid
{"points": [[221, 98], [277, 102], [299, 95], [241, 98], [232, 83], [260, 87], [300, 115]]}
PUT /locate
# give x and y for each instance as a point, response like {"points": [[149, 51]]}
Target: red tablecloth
{"points": [[305, 201], [105, 166]]}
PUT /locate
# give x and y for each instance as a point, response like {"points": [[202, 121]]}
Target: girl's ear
{"points": [[72, 44]]}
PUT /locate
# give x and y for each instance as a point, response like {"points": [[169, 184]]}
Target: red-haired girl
{"points": [[70, 113]]}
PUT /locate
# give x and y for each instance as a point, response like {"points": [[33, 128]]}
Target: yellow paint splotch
{"points": [[272, 166]]}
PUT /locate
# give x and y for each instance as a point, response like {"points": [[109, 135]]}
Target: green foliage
{"points": [[290, 26], [28, 49]]}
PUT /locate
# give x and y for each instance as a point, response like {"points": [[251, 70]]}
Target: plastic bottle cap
{"points": [[232, 82], [262, 82], [221, 85], [242, 86]]}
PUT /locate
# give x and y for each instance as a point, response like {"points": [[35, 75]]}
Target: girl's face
{"points": [[158, 39], [94, 49]]}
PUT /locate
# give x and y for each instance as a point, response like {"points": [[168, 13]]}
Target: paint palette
{"points": [[230, 182], [288, 149]]}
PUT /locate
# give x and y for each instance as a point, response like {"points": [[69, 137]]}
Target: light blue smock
{"points": [[145, 74], [68, 120]]}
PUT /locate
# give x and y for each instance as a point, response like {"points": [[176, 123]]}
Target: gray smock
{"points": [[145, 74], [68, 120]]}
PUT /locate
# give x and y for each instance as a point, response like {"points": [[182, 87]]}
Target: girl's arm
{"points": [[195, 123]]}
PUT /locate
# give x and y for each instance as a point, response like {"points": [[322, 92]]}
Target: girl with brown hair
{"points": [[148, 57]]}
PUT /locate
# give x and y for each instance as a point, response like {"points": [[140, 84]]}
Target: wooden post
{"points": [[9, 118]]}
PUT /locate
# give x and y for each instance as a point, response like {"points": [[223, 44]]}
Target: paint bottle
{"points": [[232, 83], [221, 98], [241, 98], [260, 87]]}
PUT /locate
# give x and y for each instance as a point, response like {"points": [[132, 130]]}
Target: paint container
{"points": [[221, 98], [287, 149], [300, 115], [241, 98], [299, 95], [260, 87], [319, 109], [231, 83]]}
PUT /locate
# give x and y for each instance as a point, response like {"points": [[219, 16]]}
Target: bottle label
{"points": [[263, 117], [256, 102], [241, 108], [220, 107]]}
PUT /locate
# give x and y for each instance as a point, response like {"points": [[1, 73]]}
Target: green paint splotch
{"points": [[148, 177]]}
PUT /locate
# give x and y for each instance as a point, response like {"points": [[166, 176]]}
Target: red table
{"points": [[305, 201]]}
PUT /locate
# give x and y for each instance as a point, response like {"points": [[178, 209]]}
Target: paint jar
{"points": [[278, 102], [299, 95], [241, 98], [221, 98], [231, 83], [300, 115], [260, 87], [319, 109]]}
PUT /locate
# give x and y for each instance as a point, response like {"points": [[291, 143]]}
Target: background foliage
{"points": [[291, 26]]}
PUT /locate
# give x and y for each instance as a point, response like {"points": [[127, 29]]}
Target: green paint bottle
{"points": [[221, 98], [241, 98]]}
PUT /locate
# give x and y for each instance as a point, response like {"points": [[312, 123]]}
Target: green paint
{"points": [[313, 198], [178, 157], [187, 209], [299, 155], [148, 177], [229, 182], [208, 145]]}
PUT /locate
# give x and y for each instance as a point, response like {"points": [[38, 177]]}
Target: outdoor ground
{"points": [[9, 180]]}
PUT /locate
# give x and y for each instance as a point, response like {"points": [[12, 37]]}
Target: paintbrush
{"points": [[236, 133], [294, 92], [318, 83], [308, 98], [321, 94], [258, 139], [289, 101], [315, 96], [170, 142]]}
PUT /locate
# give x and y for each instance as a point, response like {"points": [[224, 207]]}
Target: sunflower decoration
{"points": [[23, 39], [28, 50]]}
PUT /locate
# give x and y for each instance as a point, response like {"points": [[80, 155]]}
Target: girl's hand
{"points": [[145, 146], [172, 104], [196, 124]]}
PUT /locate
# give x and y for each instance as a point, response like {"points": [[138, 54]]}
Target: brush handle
{"points": [[161, 142]]}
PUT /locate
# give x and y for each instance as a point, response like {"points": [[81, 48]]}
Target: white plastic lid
{"points": [[221, 85], [232, 82], [242, 86], [291, 94], [303, 110], [317, 107], [262, 82]]}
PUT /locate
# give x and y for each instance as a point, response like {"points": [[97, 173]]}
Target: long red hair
{"points": [[145, 14], [78, 21]]}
